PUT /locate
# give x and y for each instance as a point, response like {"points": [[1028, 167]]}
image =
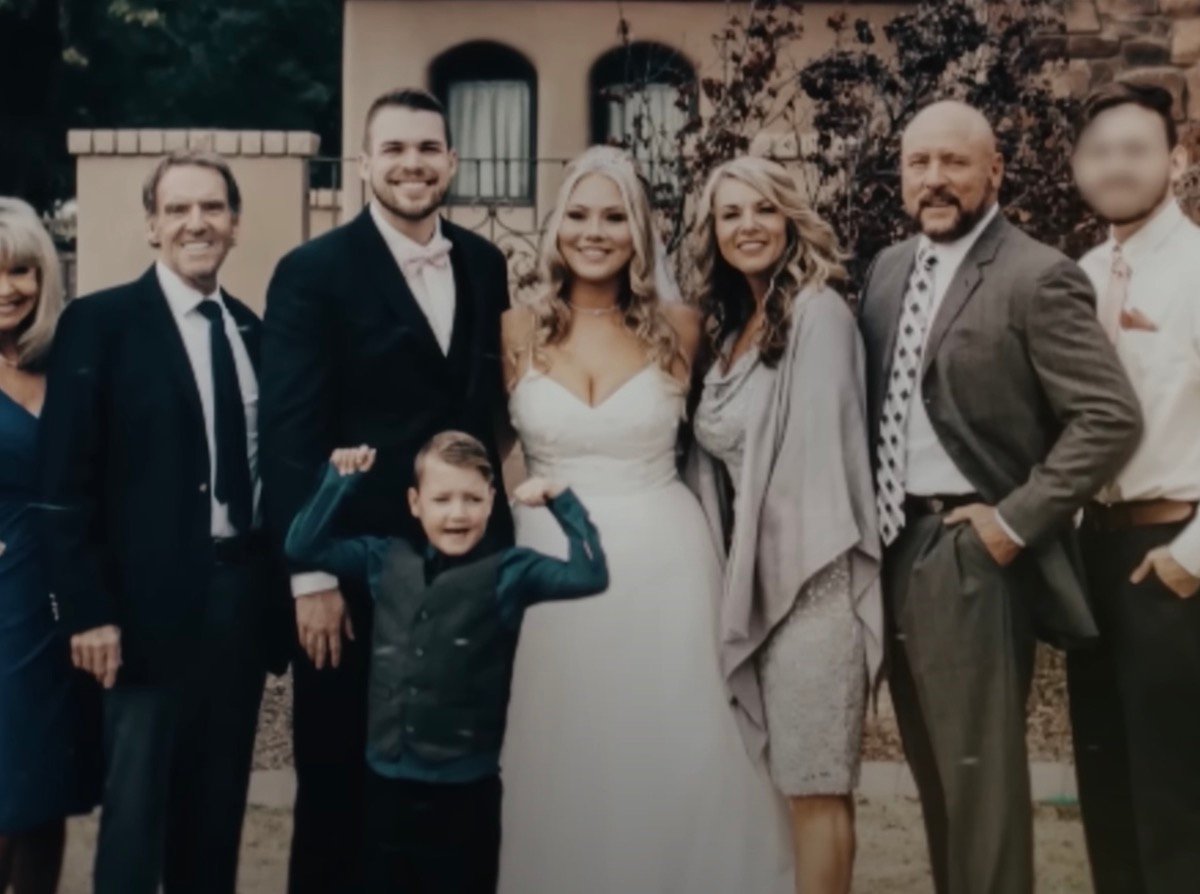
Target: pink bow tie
{"points": [[436, 254]]}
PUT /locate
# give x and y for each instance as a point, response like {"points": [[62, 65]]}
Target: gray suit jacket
{"points": [[1024, 392]]}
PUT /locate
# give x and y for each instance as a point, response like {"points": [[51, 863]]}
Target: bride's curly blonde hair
{"points": [[638, 300], [812, 258]]}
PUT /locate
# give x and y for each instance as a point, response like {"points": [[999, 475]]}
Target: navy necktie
{"points": [[232, 487]]}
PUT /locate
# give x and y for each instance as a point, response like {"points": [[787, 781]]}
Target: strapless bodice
{"points": [[624, 444]]}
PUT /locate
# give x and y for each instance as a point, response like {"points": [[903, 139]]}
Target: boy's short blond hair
{"points": [[458, 449]]}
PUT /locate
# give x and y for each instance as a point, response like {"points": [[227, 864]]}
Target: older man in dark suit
{"points": [[153, 529], [998, 408]]}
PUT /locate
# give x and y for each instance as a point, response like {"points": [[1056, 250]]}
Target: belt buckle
{"points": [[936, 505], [1110, 517], [1119, 517], [1102, 516], [227, 549]]}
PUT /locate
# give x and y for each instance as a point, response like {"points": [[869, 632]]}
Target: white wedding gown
{"points": [[623, 768]]}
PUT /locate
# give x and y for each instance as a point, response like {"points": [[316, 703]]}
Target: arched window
{"points": [[642, 95], [490, 94]]}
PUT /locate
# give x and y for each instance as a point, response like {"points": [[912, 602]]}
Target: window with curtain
{"points": [[489, 94], [642, 95], [490, 121]]}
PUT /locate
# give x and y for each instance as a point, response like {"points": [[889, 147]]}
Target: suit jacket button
{"points": [[420, 653], [204, 488]]}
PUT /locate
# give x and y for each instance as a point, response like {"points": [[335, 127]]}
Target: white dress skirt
{"points": [[624, 770]]}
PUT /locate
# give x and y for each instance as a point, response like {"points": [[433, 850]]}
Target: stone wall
{"points": [[1157, 41]]}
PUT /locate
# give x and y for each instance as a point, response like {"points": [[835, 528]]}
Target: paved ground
{"points": [[891, 851], [891, 843]]}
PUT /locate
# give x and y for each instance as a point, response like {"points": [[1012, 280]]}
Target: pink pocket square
{"points": [[1135, 319]]}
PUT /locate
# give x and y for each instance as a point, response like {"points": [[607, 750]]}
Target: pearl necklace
{"points": [[594, 311]]}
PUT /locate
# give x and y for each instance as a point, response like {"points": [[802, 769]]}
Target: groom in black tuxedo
{"points": [[384, 331]]}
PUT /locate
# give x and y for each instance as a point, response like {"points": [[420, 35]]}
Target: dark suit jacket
{"points": [[349, 358], [125, 478], [1023, 390]]}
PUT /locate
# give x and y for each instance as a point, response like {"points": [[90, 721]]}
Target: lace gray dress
{"points": [[813, 668]]}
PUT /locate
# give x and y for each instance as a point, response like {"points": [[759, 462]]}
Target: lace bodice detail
{"points": [[624, 444]]}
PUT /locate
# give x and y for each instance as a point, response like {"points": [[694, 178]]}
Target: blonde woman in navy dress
{"points": [[41, 779], [783, 472]]}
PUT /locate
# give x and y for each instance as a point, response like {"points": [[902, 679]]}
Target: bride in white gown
{"points": [[624, 769]]}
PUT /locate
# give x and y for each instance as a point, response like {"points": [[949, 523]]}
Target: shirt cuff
{"points": [[1185, 548], [312, 582], [1012, 535]]}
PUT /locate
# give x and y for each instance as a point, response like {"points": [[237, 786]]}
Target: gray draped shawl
{"points": [[805, 497]]}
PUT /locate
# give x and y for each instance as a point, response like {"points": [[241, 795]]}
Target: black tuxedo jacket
{"points": [[125, 479], [1024, 391], [349, 358]]}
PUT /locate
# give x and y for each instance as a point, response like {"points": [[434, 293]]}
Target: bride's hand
{"points": [[537, 491]]}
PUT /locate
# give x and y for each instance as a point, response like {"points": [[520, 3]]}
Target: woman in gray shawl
{"points": [[782, 469]]}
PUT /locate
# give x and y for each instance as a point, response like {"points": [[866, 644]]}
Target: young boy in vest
{"points": [[445, 634]]}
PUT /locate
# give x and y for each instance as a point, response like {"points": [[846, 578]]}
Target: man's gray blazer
{"points": [[1024, 391]]}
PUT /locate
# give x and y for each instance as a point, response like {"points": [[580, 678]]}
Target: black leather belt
{"points": [[915, 507], [1137, 513], [237, 550]]}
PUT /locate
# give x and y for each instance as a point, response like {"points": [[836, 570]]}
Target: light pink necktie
{"points": [[1115, 295]]}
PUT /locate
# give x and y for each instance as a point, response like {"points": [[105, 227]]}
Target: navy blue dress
{"points": [[47, 752]]}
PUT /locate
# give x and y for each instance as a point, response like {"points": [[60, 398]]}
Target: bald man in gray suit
{"points": [[997, 409]]}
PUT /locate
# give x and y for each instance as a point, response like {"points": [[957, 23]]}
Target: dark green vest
{"points": [[441, 660]]}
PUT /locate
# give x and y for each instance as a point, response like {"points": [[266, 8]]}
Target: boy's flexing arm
{"points": [[528, 577], [310, 538]]}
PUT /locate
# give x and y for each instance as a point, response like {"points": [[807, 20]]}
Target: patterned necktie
{"points": [[1112, 303], [906, 366], [233, 486]]}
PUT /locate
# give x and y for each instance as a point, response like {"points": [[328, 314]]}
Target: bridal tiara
{"points": [[602, 159]]}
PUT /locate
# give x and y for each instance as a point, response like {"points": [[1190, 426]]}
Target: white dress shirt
{"points": [[930, 470], [1163, 364], [194, 329], [433, 287]]}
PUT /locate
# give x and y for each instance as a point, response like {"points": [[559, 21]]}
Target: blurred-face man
{"points": [[1133, 700], [1125, 164]]}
